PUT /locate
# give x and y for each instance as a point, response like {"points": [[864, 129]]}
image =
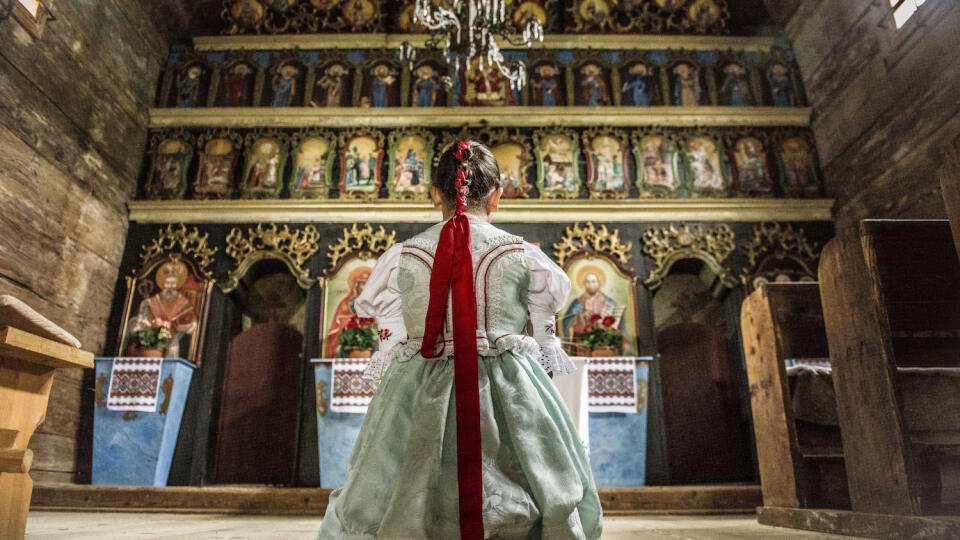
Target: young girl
{"points": [[466, 437]]}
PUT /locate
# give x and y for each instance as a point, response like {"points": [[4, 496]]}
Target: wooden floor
{"points": [[105, 526]]}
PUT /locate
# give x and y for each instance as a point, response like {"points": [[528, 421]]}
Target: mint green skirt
{"points": [[402, 475]]}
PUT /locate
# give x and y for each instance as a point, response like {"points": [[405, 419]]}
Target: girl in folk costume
{"points": [[467, 437]]}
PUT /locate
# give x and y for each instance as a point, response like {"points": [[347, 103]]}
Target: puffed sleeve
{"points": [[380, 299], [546, 295]]}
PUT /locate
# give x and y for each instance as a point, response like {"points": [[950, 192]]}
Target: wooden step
{"points": [[712, 499]]}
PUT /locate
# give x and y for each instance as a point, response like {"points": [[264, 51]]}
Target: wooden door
{"points": [[705, 440], [257, 435]]}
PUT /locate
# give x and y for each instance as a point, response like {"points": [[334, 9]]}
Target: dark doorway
{"points": [[706, 438], [256, 440]]}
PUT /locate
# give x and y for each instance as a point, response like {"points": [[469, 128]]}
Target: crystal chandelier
{"points": [[468, 29]]}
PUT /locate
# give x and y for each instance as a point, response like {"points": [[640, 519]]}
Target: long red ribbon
{"points": [[453, 273]]}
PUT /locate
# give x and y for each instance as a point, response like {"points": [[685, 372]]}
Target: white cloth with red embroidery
{"points": [[134, 384], [548, 289]]}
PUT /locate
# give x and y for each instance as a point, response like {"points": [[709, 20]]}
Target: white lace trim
{"points": [[550, 356], [555, 360]]}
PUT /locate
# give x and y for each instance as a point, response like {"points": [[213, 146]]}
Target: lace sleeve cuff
{"points": [[392, 333], [552, 356]]}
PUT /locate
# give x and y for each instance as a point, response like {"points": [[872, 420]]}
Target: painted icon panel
{"points": [[557, 153], [608, 174], [314, 154], [658, 163], [411, 156], [361, 156], [602, 298]]}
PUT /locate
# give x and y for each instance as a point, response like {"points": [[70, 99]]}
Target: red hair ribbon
{"points": [[453, 275]]}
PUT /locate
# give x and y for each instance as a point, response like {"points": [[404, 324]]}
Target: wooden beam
{"points": [[860, 524], [15, 460], [950, 187], [511, 211], [516, 117], [617, 42], [313, 501]]}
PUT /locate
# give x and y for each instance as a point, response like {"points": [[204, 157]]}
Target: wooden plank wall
{"points": [[72, 134], [885, 101]]}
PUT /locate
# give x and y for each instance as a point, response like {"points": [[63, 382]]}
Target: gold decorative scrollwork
{"points": [[364, 242], [670, 244], [322, 405], [176, 238], [167, 387], [592, 240], [293, 248], [99, 393], [779, 242], [642, 395]]}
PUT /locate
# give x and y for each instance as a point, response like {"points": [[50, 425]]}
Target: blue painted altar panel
{"points": [[138, 451], [336, 432], [618, 441]]}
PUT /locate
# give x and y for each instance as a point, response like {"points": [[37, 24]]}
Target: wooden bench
{"points": [[950, 188], [799, 452], [891, 302], [27, 366]]}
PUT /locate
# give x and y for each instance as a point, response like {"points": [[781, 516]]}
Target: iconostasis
{"points": [[666, 165]]}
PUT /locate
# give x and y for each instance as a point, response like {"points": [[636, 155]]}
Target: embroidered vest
{"points": [[501, 278]]}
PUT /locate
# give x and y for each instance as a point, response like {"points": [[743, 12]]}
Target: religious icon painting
{"points": [[191, 84], [219, 153], [360, 15], [687, 84], [512, 153], [735, 87], [342, 333], [244, 16], [169, 164], [705, 165], [547, 88], [426, 90], [169, 291], [404, 19], [779, 85], [284, 86], [639, 86], [751, 173], [607, 153], [657, 156], [485, 87], [411, 156], [333, 85], [557, 153], [266, 157], [592, 85], [361, 157], [313, 156], [237, 81], [798, 169], [704, 14], [600, 317], [529, 10], [381, 85], [593, 15]]}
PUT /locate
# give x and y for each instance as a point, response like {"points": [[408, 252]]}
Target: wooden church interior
{"points": [[769, 191]]}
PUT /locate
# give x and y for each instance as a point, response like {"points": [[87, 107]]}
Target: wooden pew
{"points": [[891, 302], [800, 462], [27, 366], [950, 188]]}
